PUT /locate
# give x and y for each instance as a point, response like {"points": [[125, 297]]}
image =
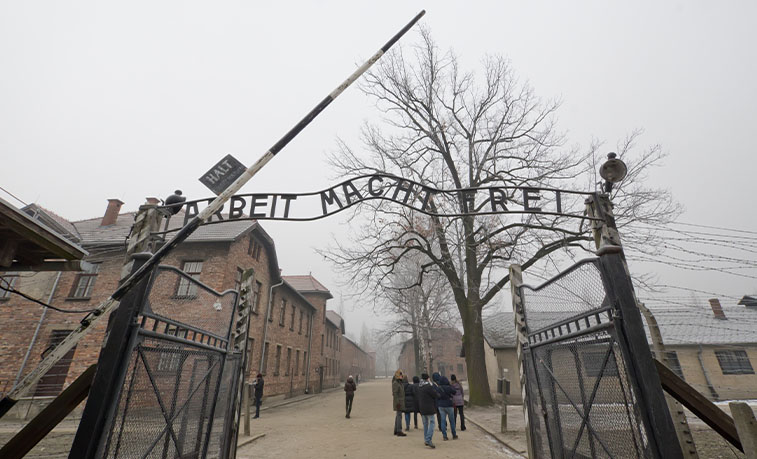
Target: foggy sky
{"points": [[136, 99]]}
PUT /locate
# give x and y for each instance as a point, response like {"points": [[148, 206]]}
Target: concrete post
{"points": [[521, 337], [746, 426], [606, 235]]}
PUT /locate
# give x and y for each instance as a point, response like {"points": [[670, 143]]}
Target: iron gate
{"points": [[179, 376], [591, 388]]}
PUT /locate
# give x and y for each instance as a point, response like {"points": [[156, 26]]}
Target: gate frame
{"points": [[113, 365], [637, 358]]}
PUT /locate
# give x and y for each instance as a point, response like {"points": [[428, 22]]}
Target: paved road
{"points": [[317, 428]]}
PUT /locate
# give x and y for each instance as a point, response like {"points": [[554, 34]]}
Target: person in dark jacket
{"points": [[435, 378], [409, 400], [258, 385], [349, 388], [416, 408], [446, 392], [458, 400], [427, 395], [398, 402]]}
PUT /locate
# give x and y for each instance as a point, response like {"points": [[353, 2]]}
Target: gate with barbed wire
{"points": [[180, 374], [591, 387]]}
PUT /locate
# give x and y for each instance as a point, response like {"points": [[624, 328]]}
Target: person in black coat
{"points": [[426, 396], [409, 400], [416, 408], [258, 385]]}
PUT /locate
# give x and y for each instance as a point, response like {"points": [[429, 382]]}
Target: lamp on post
{"points": [[612, 171], [599, 207]]}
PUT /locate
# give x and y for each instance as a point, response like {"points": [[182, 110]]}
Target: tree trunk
{"points": [[475, 359]]}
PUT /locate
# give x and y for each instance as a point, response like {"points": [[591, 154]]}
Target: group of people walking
{"points": [[438, 398]]}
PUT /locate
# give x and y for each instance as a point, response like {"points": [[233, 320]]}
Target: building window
{"points": [[271, 302], [254, 249], [297, 362], [169, 361], [52, 382], [301, 314], [265, 359], [310, 321], [256, 296], [238, 279], [187, 288], [734, 362], [460, 370], [7, 283], [672, 362], [251, 342], [289, 361], [282, 318], [593, 364], [321, 344], [84, 282], [291, 323], [304, 361], [277, 362]]}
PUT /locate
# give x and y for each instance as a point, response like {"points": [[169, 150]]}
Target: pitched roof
{"points": [[307, 284], [92, 233], [698, 325], [335, 319], [355, 344], [499, 330]]}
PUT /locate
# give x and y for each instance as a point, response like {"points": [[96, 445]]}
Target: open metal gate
{"points": [[176, 387], [592, 390]]}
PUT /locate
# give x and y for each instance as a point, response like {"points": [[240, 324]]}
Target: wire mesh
{"points": [[178, 391], [576, 373]]}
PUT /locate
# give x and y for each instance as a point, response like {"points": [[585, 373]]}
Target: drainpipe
{"points": [[269, 310], [36, 332], [706, 375], [310, 353]]}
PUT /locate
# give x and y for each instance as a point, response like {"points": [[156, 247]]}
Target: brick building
{"points": [[446, 344], [356, 361], [292, 342]]}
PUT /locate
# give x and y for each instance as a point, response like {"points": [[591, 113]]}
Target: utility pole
{"points": [[607, 238]]}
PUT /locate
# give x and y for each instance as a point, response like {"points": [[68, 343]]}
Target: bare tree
{"points": [[450, 129], [417, 306], [366, 338]]}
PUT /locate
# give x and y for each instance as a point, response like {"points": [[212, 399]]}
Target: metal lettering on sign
{"points": [[489, 200], [223, 174]]}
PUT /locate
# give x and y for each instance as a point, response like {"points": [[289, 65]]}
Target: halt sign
{"points": [[223, 174]]}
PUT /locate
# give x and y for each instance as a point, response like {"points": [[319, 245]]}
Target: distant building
{"points": [[446, 351], [356, 361], [714, 350], [499, 349]]}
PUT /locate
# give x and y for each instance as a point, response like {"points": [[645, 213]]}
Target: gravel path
{"points": [[317, 428]]}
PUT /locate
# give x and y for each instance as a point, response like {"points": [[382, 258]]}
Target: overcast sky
{"points": [[101, 100]]}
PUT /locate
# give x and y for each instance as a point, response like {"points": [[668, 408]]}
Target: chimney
{"points": [[111, 213], [152, 201], [717, 309]]}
